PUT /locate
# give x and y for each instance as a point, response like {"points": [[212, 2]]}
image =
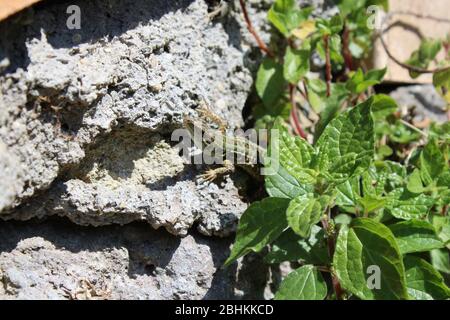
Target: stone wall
{"points": [[87, 167]]}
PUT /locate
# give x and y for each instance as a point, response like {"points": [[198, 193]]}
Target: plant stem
{"points": [[297, 126], [409, 125], [262, 46], [326, 40], [331, 242], [405, 65], [348, 58]]}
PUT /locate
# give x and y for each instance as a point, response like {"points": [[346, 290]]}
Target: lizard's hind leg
{"points": [[213, 174]]}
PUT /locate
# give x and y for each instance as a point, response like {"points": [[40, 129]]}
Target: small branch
{"points": [[297, 126], [305, 87], [405, 65], [409, 125], [326, 40], [389, 53], [262, 46]]}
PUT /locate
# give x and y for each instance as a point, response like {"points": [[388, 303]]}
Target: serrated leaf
{"points": [[262, 223], [332, 105], [269, 81], [346, 147], [295, 155], [415, 182], [283, 185], [303, 212], [286, 16], [406, 205], [432, 162], [374, 180], [296, 64], [422, 57], [383, 106], [348, 6], [423, 281], [442, 226], [415, 236], [305, 283], [440, 260], [441, 81], [347, 194], [358, 248], [290, 247], [376, 74], [371, 202], [428, 49], [360, 82]]}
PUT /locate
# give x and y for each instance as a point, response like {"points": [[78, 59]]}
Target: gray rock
{"points": [[422, 101], [56, 260], [86, 118], [90, 122]]}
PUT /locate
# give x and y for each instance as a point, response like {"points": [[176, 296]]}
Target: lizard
{"points": [[213, 131]]}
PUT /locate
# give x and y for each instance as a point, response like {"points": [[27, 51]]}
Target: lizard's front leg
{"points": [[213, 174]]}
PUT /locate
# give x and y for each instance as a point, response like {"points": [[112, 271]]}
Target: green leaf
{"points": [[269, 81], [383, 106], [376, 74], [432, 162], [286, 16], [406, 205], [346, 147], [332, 105], [348, 6], [296, 64], [441, 80], [261, 223], [382, 3], [428, 49], [295, 155], [304, 212], [305, 283], [366, 244], [347, 194], [331, 26], [371, 202], [415, 236], [423, 281], [415, 182], [290, 247], [359, 82], [283, 185], [440, 260], [426, 53], [442, 226], [374, 180]]}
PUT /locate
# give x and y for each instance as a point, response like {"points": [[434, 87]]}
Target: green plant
{"points": [[350, 210], [422, 57]]}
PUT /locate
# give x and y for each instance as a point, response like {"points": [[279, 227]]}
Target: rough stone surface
{"points": [[422, 101], [90, 113], [56, 260], [86, 118]]}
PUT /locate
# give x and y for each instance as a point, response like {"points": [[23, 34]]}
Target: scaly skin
{"points": [[244, 151]]}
